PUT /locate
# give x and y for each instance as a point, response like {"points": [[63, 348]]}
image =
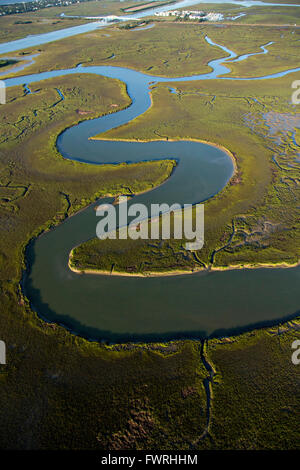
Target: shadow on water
{"points": [[96, 334], [76, 327], [224, 332]]}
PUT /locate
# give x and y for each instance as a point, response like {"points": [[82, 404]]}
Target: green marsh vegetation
{"points": [[257, 211], [38, 190], [90, 8], [162, 50], [221, 120], [14, 27], [282, 55], [254, 374], [271, 15], [255, 15], [48, 19], [5, 63], [173, 49], [282, 1], [145, 6], [29, 159], [63, 392], [133, 257], [134, 24], [21, 25]]}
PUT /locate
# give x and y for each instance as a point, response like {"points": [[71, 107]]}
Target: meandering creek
{"points": [[124, 308]]}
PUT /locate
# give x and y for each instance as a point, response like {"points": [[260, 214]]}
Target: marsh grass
{"points": [[60, 391], [261, 200]]}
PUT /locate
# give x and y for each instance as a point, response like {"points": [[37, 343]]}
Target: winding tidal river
{"points": [[123, 308]]}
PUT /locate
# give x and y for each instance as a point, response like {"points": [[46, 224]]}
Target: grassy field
{"points": [[61, 391]]}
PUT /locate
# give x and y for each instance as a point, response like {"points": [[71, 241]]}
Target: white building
{"points": [[193, 15]]}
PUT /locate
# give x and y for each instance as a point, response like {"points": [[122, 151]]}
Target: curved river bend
{"points": [[123, 308]]}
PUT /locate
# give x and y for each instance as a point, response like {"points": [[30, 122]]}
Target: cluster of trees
{"points": [[134, 24]]}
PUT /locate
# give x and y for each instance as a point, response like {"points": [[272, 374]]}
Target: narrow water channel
{"points": [[122, 308]]}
